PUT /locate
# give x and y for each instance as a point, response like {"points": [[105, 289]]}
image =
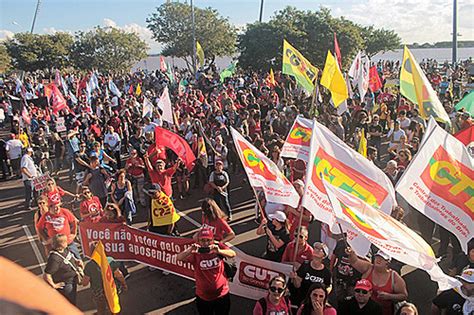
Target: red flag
{"points": [[337, 51], [375, 83], [179, 146], [163, 67], [56, 98], [466, 135], [131, 90]]}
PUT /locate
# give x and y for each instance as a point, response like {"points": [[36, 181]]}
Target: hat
{"points": [[219, 162], [323, 246], [29, 149], [298, 182], [280, 216], [383, 255], [154, 188], [363, 284], [54, 201], [206, 233], [467, 276]]}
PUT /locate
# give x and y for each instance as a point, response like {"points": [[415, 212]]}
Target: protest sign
{"points": [[39, 183], [60, 124]]}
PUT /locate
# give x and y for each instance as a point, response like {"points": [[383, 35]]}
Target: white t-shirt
{"points": [[28, 163], [14, 147], [113, 140]]}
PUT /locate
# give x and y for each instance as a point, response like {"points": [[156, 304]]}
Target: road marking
{"points": [[169, 308], [32, 241], [188, 218]]}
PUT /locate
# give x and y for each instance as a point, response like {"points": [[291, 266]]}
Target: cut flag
{"points": [[375, 83], [296, 65], [168, 139], [391, 236], [467, 103], [439, 182], [58, 102], [362, 144], [200, 53], [297, 142], [333, 80], [263, 173], [415, 86], [108, 282], [165, 105]]}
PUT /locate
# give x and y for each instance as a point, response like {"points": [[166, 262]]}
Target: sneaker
{"points": [[165, 273], [151, 269]]}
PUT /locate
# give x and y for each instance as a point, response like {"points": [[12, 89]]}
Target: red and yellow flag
{"points": [[108, 282], [271, 79]]}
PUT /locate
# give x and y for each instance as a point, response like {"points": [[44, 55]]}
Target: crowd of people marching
{"points": [[104, 143]]}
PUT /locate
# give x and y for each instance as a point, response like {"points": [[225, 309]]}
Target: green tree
{"points": [[5, 60], [108, 49], [31, 52], [379, 40], [171, 25]]}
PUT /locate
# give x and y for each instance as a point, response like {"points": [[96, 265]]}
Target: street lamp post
{"points": [[261, 11], [34, 17], [455, 32]]}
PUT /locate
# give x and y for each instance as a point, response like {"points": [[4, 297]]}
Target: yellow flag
{"points": [[110, 289], [363, 144], [333, 80], [200, 53], [296, 65], [138, 91]]}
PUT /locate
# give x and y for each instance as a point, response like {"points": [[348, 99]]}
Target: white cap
{"points": [[280, 216]]}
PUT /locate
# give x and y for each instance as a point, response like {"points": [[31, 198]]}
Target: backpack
{"points": [[263, 304]]}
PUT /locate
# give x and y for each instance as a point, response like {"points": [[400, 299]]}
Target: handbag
{"points": [[67, 260], [230, 268]]}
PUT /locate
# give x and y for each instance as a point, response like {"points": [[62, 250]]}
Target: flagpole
{"points": [[194, 36], [299, 230]]}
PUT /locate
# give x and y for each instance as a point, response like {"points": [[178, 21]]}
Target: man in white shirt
{"points": [[28, 173], [14, 147], [113, 145]]}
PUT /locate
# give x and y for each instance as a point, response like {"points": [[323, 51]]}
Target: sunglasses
{"points": [[361, 291], [300, 236], [86, 192], [277, 290]]}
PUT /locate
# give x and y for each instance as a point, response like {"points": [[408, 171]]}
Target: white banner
{"points": [[439, 182], [297, 143]]}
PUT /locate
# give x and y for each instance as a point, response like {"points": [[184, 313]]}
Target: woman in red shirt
{"points": [[275, 301], [55, 193], [215, 219], [112, 215], [90, 208]]}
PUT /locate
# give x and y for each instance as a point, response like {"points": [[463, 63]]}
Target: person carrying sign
{"points": [[163, 215]]}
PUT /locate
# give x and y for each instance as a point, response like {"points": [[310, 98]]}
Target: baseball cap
{"points": [[383, 255], [363, 284], [206, 233], [467, 275], [54, 201], [29, 149], [280, 216], [322, 246]]}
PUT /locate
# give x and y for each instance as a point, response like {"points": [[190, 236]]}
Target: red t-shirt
{"points": [[303, 255], [163, 178], [281, 309], [211, 282], [135, 166], [91, 206], [55, 195], [57, 223], [295, 220], [219, 227]]}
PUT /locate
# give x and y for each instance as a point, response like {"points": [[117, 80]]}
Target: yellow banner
{"points": [[162, 211], [295, 64], [110, 289]]}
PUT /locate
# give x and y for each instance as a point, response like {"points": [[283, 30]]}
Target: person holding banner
{"points": [[212, 286], [163, 215], [388, 286], [277, 235]]}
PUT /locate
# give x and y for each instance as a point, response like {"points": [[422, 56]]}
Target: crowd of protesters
{"points": [[107, 150]]}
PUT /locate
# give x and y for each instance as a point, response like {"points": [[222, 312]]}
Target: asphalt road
{"points": [[151, 291]]}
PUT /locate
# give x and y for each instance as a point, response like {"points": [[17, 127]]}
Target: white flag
{"points": [[165, 105], [388, 234], [355, 66], [114, 89], [439, 182], [297, 142], [147, 107], [363, 77]]}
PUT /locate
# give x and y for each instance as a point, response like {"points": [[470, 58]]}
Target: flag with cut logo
{"points": [[334, 81], [330, 158], [415, 86], [110, 290], [200, 54], [165, 105], [296, 65], [375, 83], [439, 182], [263, 172], [391, 236], [298, 140]]}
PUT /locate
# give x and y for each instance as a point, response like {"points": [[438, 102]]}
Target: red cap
{"points": [[363, 284], [206, 233], [54, 201]]}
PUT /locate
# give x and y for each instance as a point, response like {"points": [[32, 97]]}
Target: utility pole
{"points": [[36, 14], [194, 37], [261, 11], [455, 32]]}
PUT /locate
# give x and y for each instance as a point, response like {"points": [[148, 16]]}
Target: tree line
{"points": [[257, 46]]}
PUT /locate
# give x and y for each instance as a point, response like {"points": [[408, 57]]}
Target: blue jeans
{"points": [[69, 291], [223, 203], [29, 193], [74, 250]]}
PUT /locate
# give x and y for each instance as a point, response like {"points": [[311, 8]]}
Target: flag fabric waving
{"points": [[163, 67], [375, 83], [343, 167], [296, 65], [227, 72], [359, 72], [298, 140], [466, 136], [108, 282], [467, 103], [114, 89], [388, 234], [337, 51], [362, 144], [165, 105], [58, 102], [263, 173], [271, 79], [439, 182], [168, 139], [200, 53], [138, 90], [334, 81], [413, 82], [147, 107]]}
